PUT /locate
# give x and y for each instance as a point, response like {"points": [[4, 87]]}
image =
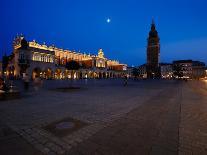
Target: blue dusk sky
{"points": [[82, 25]]}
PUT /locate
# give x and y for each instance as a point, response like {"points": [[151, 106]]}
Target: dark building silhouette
{"points": [[153, 53], [189, 69]]}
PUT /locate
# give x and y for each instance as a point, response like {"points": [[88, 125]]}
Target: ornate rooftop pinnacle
{"points": [[100, 53], [153, 32]]}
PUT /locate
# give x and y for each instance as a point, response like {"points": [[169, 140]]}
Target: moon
{"points": [[108, 20]]}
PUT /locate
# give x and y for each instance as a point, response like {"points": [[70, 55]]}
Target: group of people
{"points": [[3, 85], [37, 82], [126, 80]]}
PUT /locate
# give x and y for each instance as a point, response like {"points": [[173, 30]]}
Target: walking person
{"points": [[125, 80], [37, 83], [26, 82], [1, 83]]}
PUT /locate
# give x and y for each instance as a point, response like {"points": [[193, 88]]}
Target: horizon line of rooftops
{"points": [[35, 44]]}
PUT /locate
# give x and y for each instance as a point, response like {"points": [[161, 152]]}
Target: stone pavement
{"points": [[193, 123], [13, 144], [146, 117], [152, 128]]}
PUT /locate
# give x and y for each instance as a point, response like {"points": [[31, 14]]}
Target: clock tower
{"points": [[153, 53]]}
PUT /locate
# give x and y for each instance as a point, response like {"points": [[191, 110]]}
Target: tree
{"points": [[72, 65], [177, 71], [5, 62], [135, 72]]}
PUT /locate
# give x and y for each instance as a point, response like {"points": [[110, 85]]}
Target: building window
{"points": [[42, 58], [21, 55], [51, 59]]}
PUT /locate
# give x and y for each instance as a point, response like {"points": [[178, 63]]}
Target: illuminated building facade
{"points": [[191, 69], [49, 62], [166, 70], [143, 71], [153, 53], [198, 70], [206, 72]]}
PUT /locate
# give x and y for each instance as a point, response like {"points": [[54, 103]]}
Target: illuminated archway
{"points": [[48, 74], [36, 72], [66, 74], [11, 70], [58, 74]]}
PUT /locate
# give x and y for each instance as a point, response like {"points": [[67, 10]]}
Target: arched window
{"points": [[21, 55], [41, 57], [46, 58]]}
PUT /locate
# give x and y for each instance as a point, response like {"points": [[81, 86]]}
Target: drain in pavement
{"points": [[65, 126]]}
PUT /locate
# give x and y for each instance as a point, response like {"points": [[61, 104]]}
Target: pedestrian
{"points": [[26, 82], [125, 80], [1, 83], [37, 83]]}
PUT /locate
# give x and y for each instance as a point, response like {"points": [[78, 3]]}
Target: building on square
{"points": [[49, 62], [153, 53], [206, 72], [142, 69], [166, 70], [198, 70], [191, 69]]}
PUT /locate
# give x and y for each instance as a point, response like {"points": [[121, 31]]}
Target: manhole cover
{"points": [[64, 125]]}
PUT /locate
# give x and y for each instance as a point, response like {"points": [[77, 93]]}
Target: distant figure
{"points": [[37, 83], [1, 83], [26, 82], [125, 80]]}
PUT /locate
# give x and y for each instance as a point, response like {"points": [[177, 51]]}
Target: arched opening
{"points": [[58, 74], [90, 74], [95, 75], [48, 74], [75, 75], [69, 74], [86, 75], [11, 70], [36, 72], [104, 75], [100, 75], [111, 75], [81, 75], [66, 74]]}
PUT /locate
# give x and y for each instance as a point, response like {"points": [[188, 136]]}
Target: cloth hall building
{"points": [[49, 62]]}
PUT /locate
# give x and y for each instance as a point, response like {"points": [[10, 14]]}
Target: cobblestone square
{"points": [[144, 117]]}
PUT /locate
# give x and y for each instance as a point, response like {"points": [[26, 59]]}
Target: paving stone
{"points": [[168, 114]]}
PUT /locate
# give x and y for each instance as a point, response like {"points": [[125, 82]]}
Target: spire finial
{"points": [[153, 21], [153, 24]]}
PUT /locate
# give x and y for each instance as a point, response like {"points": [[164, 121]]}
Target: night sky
{"points": [[82, 25]]}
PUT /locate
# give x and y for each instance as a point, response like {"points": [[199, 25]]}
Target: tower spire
{"points": [[153, 21], [153, 52], [153, 24]]}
